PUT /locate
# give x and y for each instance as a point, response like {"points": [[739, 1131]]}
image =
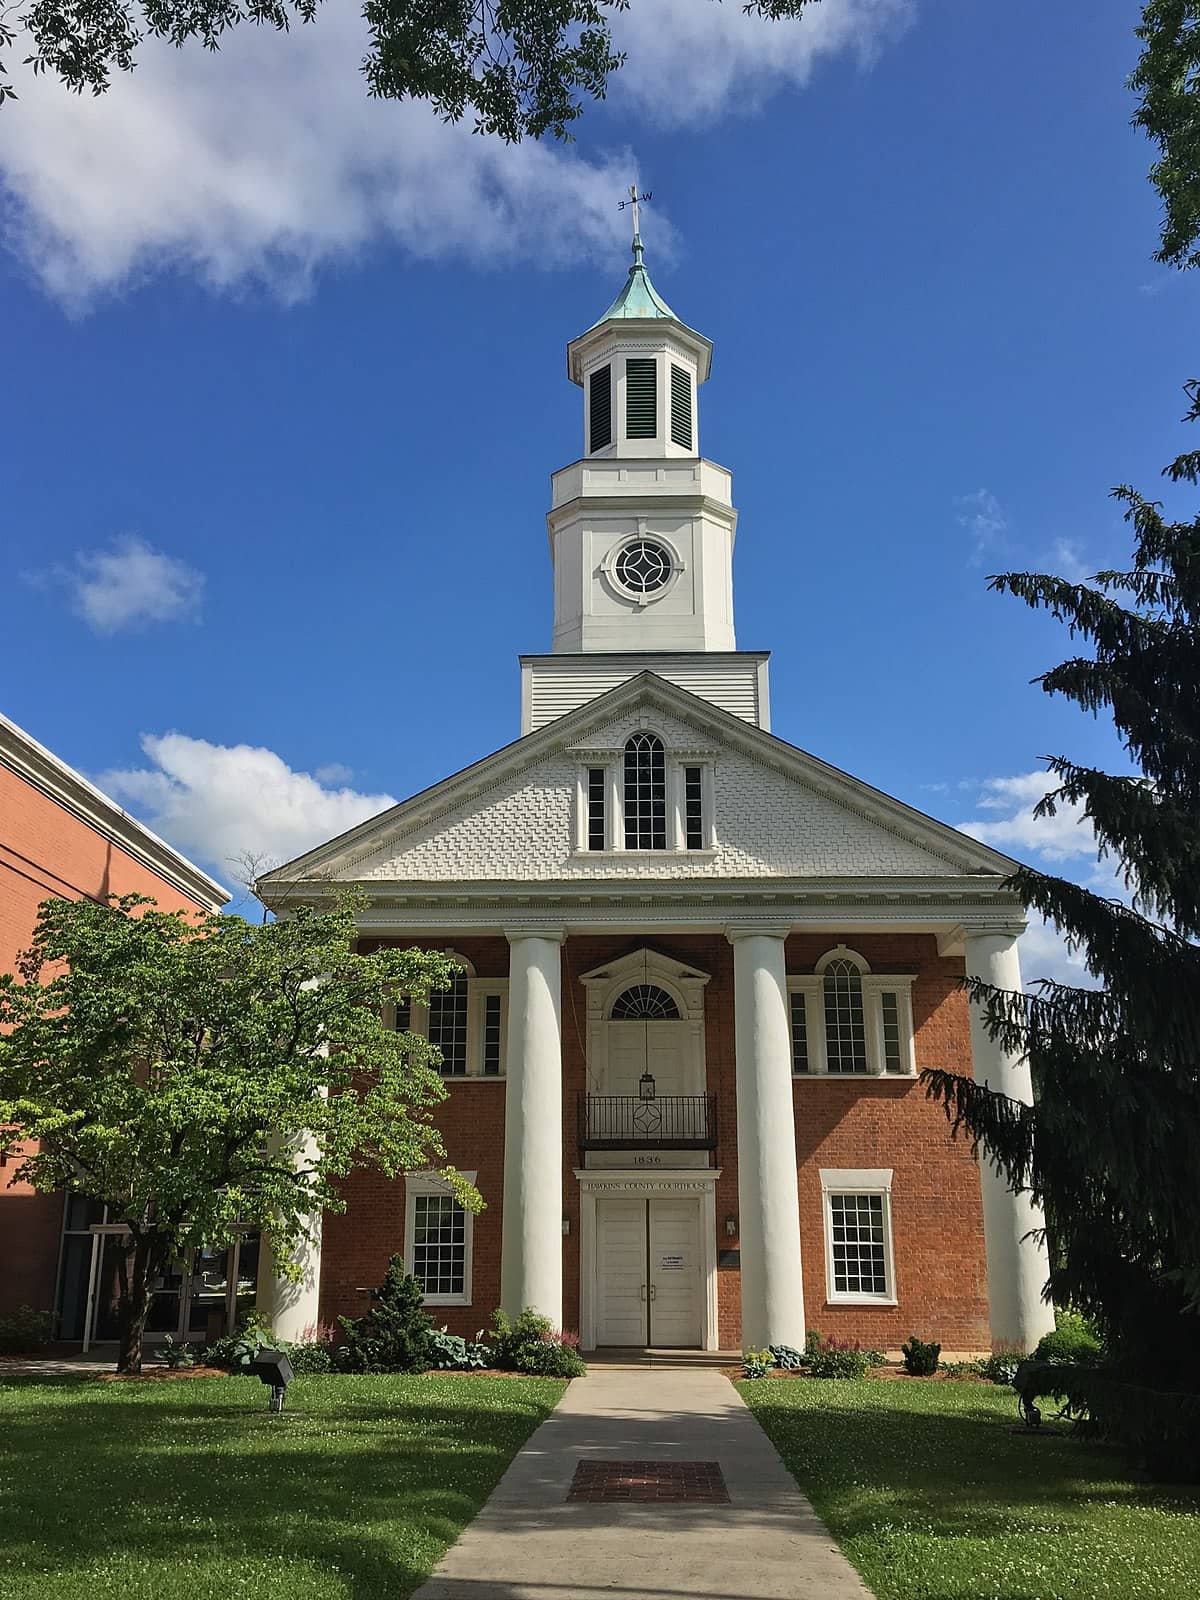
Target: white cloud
{"points": [[263, 162], [984, 520], [1057, 838], [333, 772], [1066, 561], [687, 62], [1047, 842], [221, 802], [1046, 954], [130, 584]]}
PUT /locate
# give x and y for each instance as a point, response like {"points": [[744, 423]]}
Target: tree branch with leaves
{"points": [[171, 1067]]}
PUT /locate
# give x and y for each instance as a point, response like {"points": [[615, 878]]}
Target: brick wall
{"points": [[936, 1205], [46, 852]]}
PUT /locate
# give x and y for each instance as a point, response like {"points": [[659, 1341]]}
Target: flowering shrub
{"points": [[832, 1358], [757, 1363]]}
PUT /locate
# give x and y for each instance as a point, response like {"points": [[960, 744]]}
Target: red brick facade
{"points": [[46, 851], [937, 1221]]}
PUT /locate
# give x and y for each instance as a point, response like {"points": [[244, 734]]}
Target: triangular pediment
{"points": [[512, 817]]}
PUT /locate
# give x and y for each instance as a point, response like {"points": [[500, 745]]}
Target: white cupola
{"points": [[639, 368], [641, 527]]}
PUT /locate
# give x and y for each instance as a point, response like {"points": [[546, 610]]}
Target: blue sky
{"points": [[286, 384]]}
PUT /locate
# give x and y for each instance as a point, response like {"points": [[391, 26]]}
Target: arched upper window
{"points": [[644, 1002], [845, 1023], [645, 793]]}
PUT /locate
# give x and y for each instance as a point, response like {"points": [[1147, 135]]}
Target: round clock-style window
{"points": [[643, 567]]}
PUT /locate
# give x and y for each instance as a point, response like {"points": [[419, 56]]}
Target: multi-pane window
{"points": [[645, 793], [649, 798], [847, 1019], [641, 397], [403, 1020], [596, 831], [799, 1031], [600, 409], [889, 1009], [448, 1026], [681, 407], [693, 808], [491, 1043], [439, 1245], [845, 1022], [858, 1244]]}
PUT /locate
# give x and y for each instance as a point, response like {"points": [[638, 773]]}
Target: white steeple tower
{"points": [[642, 526]]}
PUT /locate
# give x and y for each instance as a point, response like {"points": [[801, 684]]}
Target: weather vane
{"points": [[635, 199]]}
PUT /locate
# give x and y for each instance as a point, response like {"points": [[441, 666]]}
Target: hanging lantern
{"points": [[646, 1086]]}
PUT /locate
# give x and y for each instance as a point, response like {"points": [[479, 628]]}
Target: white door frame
{"points": [[630, 1184]]}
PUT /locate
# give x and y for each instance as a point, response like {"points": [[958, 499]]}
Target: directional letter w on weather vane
{"points": [[635, 199]]}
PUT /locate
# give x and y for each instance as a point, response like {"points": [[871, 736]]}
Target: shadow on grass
{"points": [[368, 1479], [953, 1460]]}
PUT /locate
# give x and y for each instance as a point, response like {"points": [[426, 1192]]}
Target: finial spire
{"points": [[634, 200]]}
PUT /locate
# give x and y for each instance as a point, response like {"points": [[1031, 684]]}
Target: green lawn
{"points": [[167, 1490], [933, 1497]]}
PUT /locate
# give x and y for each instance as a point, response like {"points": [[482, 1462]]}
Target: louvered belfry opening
{"points": [[600, 409], [681, 407], [641, 397]]}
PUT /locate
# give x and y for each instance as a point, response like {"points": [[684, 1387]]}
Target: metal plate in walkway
{"points": [[648, 1482]]}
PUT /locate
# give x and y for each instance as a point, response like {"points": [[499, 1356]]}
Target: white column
{"points": [[768, 1200], [293, 1308], [1017, 1266], [531, 1234]]}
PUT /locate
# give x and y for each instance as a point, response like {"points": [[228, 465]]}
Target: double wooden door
{"points": [[648, 1272]]}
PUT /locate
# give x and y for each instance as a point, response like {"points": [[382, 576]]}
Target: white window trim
{"points": [[860, 1180], [874, 985], [612, 763], [477, 988], [477, 991], [416, 1183]]}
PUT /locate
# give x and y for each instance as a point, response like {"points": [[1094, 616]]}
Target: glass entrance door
{"points": [[196, 1300]]}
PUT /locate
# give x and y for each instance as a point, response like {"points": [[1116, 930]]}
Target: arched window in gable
{"points": [[645, 793], [845, 1020]]}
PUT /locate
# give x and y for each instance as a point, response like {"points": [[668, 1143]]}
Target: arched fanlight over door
{"points": [[644, 1002]]}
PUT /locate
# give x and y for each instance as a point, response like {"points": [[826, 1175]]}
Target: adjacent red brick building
{"points": [[60, 837]]}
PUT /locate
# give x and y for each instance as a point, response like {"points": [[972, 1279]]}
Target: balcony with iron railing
{"points": [[632, 1122]]}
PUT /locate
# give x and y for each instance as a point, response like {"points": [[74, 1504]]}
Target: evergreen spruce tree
{"points": [[394, 1334], [1112, 1147]]}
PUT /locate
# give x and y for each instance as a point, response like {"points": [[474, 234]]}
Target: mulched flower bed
{"points": [[157, 1374], [887, 1374]]}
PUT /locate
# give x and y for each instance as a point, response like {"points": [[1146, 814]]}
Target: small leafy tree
{"points": [[199, 1075], [1112, 1148]]}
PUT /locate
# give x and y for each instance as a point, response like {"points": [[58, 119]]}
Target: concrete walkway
{"points": [[530, 1543]]}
